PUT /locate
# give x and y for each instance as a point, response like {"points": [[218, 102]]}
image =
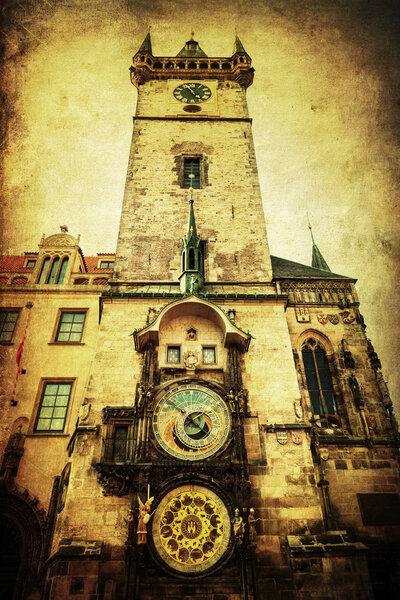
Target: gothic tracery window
{"points": [[318, 377]]}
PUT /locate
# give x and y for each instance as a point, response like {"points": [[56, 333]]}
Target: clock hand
{"points": [[176, 406], [197, 424], [191, 91]]}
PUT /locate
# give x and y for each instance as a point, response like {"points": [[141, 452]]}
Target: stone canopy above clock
{"points": [[191, 63]]}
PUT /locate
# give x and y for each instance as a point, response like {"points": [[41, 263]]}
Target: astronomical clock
{"points": [[191, 528]]}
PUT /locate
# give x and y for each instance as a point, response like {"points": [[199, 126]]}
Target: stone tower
{"points": [[235, 437]]}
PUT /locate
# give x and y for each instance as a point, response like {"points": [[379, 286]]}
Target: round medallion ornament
{"points": [[191, 422], [191, 529]]}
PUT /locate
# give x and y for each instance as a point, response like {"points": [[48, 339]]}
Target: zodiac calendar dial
{"points": [[191, 422], [191, 529]]}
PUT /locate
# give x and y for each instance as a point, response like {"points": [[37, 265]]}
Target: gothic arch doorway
{"points": [[20, 548]]}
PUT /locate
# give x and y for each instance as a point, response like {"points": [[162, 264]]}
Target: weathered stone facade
{"points": [[253, 387]]}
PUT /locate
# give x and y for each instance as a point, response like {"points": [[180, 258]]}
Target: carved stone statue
{"points": [[231, 399], [129, 520], [191, 359], [241, 402], [149, 394], [144, 518], [355, 390], [140, 396], [252, 526], [238, 526]]}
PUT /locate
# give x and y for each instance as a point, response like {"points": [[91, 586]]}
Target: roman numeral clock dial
{"points": [[192, 93]]}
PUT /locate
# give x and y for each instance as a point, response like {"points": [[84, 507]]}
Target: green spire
{"points": [[238, 46], [192, 231], [191, 49], [317, 260], [146, 44], [192, 277]]}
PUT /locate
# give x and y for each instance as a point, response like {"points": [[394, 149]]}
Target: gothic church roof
{"points": [[287, 269]]}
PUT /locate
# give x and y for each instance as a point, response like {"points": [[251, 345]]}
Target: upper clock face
{"points": [[191, 422], [192, 93]]}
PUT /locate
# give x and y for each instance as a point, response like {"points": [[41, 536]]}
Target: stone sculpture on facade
{"points": [[252, 526], [144, 518], [130, 520], [238, 526]]}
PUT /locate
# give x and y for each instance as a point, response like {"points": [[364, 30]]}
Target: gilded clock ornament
{"points": [[191, 529], [191, 422], [192, 93]]}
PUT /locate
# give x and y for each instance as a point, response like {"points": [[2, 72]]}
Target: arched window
{"points": [[43, 272], [319, 380], [54, 268], [192, 263], [63, 270]]}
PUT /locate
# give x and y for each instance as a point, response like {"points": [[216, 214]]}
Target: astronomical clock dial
{"points": [[192, 93], [191, 529], [191, 422]]}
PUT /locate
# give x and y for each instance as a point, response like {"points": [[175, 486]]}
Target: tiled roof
{"points": [[11, 264], [92, 262], [287, 269]]}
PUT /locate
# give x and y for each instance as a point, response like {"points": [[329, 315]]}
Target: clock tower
{"points": [[223, 398], [192, 119]]}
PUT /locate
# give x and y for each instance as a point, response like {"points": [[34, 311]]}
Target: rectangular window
{"points": [[8, 320], [120, 440], [209, 357], [53, 406], [70, 327], [174, 354], [30, 264], [107, 264], [191, 173]]}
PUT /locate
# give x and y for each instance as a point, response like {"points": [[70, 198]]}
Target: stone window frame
{"points": [[38, 405], [209, 346], [56, 331], [62, 259], [180, 160], [333, 368], [117, 418], [168, 346], [7, 310]]}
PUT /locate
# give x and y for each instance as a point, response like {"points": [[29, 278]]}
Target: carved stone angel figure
{"points": [[144, 518]]}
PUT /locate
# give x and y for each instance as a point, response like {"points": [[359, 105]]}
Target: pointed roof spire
{"points": [[317, 260], [146, 44], [238, 46], [192, 230]]}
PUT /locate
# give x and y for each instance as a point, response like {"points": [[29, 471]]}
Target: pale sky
{"points": [[326, 127]]}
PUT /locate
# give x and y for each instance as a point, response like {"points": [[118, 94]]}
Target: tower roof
{"points": [[317, 260], [146, 44], [192, 231], [191, 49], [238, 46]]}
